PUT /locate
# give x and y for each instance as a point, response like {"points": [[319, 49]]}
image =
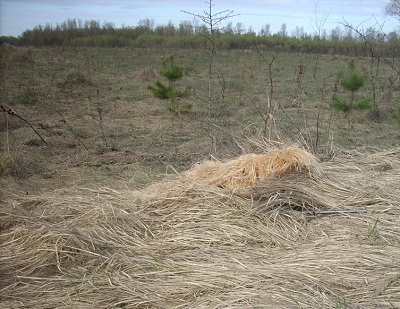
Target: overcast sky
{"points": [[17, 16]]}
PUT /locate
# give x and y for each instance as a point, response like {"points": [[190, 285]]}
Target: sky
{"points": [[16, 16]]}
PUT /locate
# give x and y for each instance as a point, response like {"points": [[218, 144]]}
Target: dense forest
{"points": [[344, 40]]}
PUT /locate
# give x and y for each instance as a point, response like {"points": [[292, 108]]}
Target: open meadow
{"points": [[106, 200]]}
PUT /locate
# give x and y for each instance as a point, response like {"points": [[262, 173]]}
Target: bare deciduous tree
{"points": [[393, 9], [212, 20], [319, 23], [147, 24]]}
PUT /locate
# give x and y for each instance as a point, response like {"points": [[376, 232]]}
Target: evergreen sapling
{"points": [[172, 73], [352, 81]]}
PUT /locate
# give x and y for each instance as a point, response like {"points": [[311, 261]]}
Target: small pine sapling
{"points": [[172, 73], [352, 81]]}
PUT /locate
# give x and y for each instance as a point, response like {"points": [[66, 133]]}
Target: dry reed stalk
{"points": [[247, 170]]}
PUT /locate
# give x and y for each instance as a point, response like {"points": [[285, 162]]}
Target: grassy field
{"points": [[100, 121], [95, 212]]}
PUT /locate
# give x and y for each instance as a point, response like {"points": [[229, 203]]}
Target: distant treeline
{"points": [[91, 33]]}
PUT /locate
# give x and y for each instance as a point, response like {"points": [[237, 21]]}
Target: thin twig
{"points": [[6, 109]]}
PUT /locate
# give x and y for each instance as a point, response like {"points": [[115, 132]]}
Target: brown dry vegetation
{"points": [[104, 215], [179, 244]]}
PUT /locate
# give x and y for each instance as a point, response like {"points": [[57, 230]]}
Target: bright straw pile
{"points": [[249, 169], [189, 244]]}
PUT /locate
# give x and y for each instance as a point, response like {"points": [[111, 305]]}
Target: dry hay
{"points": [[180, 244], [249, 169]]}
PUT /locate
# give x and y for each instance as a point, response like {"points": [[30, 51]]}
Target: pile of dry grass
{"points": [[247, 170], [187, 244]]}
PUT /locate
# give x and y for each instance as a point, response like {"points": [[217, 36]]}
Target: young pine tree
{"points": [[352, 81], [172, 73]]}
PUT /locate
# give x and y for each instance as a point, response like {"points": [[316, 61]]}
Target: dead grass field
{"points": [[183, 244], [104, 215]]}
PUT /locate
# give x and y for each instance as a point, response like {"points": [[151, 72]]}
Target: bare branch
{"points": [[319, 21], [393, 9], [8, 110]]}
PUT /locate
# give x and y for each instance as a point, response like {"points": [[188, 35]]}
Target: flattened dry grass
{"points": [[189, 244]]}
